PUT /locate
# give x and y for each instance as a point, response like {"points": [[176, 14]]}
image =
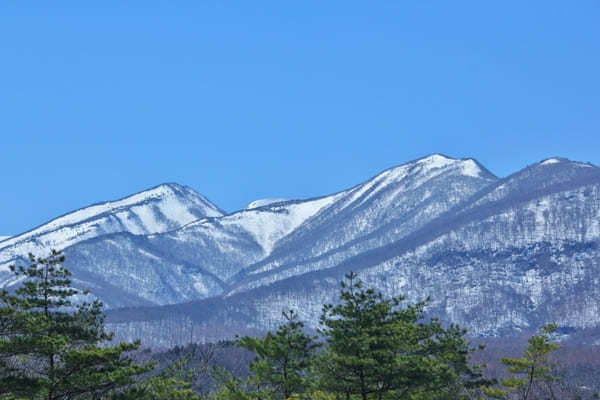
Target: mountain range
{"points": [[497, 255]]}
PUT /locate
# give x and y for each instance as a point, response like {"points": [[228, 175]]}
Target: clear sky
{"points": [[250, 99]]}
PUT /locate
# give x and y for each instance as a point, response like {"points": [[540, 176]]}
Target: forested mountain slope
{"points": [[495, 255]]}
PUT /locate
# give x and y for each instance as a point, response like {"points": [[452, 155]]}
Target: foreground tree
{"points": [[532, 377], [376, 349], [52, 347], [173, 383], [282, 359]]}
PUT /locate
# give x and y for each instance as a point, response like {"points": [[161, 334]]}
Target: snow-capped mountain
{"points": [[495, 255], [517, 253], [160, 209], [194, 262], [4, 238], [232, 253], [386, 208]]}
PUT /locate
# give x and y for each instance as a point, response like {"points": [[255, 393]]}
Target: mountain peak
{"points": [[164, 189], [466, 166], [553, 160], [159, 209], [434, 164], [435, 161], [564, 161], [173, 186], [437, 158]]}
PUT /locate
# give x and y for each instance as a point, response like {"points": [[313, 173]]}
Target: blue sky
{"points": [[249, 99]]}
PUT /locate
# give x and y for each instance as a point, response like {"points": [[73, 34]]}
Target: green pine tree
{"points": [[54, 348], [174, 383], [531, 374], [283, 359], [376, 349]]}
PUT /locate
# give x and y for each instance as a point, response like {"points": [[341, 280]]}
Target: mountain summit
{"points": [[160, 209]]}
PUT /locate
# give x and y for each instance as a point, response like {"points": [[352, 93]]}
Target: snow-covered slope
{"points": [[4, 238], [237, 250], [194, 262], [128, 270], [385, 208], [517, 253], [160, 209], [272, 222], [496, 255]]}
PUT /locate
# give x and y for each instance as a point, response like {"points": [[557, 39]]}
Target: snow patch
{"points": [[201, 285], [267, 226], [550, 161], [264, 202], [470, 168], [556, 160], [467, 167], [436, 161], [149, 255], [149, 220]]}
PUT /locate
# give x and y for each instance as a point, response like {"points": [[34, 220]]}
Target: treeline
{"points": [[53, 345]]}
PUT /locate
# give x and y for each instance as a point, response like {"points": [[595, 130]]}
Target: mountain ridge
{"points": [[400, 230], [492, 284], [261, 228], [161, 208]]}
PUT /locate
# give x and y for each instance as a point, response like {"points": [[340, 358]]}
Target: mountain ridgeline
{"points": [[498, 256]]}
